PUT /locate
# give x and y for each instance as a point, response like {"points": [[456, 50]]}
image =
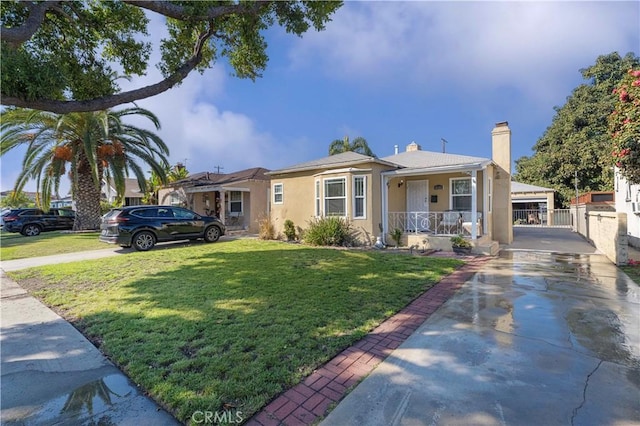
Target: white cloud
{"points": [[528, 46]]}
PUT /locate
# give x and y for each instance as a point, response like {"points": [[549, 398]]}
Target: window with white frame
{"points": [[359, 197], [461, 194], [335, 197], [318, 209], [235, 201], [278, 193]]}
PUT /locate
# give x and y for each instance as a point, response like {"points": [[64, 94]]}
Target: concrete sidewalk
{"points": [[51, 374]]}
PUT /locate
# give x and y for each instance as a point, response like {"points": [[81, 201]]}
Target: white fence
{"points": [[435, 223], [560, 218]]}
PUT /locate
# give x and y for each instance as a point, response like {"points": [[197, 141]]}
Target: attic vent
{"points": [[413, 147]]}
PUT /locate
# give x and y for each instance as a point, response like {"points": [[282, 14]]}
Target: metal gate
{"points": [[557, 218]]}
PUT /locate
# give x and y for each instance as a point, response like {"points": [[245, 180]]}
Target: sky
{"points": [[393, 73]]}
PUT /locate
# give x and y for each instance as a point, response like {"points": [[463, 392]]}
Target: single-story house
{"points": [[239, 199], [133, 195], [627, 200], [429, 196], [531, 203]]}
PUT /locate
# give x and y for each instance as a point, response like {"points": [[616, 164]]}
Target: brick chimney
{"points": [[413, 147]]}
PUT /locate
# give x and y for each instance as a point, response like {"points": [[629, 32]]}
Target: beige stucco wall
{"points": [[608, 233], [299, 198]]}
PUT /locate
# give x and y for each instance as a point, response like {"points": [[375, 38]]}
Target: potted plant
{"points": [[460, 245]]}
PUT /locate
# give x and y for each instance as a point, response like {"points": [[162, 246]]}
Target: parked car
{"points": [[31, 222], [143, 226], [3, 213]]}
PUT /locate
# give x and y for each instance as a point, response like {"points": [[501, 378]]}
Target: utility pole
{"points": [[444, 142], [218, 168]]}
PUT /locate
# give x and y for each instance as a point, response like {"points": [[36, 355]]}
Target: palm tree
{"points": [[94, 145], [358, 145], [154, 183]]}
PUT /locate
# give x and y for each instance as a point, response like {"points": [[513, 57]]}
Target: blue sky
{"points": [[393, 73]]}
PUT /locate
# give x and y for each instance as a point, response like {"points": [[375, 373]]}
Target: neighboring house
{"points": [[133, 195], [532, 204], [239, 199], [62, 202], [627, 200], [429, 196]]}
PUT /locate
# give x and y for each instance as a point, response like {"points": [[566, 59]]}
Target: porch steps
{"points": [[487, 248]]}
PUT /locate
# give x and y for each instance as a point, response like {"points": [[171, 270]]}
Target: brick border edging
{"points": [[309, 400]]}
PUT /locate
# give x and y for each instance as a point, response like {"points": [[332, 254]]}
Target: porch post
{"points": [[223, 208], [384, 189], [474, 204]]}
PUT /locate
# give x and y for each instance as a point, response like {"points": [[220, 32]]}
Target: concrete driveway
{"points": [[534, 339]]}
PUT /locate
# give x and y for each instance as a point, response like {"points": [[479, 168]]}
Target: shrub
{"points": [[289, 230], [330, 231], [459, 241], [396, 235], [266, 230]]}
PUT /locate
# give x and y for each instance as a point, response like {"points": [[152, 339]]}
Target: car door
{"points": [[188, 224]]}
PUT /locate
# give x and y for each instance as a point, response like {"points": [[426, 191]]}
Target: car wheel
{"points": [[144, 241], [212, 234], [31, 230]]}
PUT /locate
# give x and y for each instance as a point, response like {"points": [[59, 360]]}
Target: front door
{"points": [[417, 205]]}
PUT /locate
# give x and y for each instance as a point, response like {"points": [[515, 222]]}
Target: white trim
{"points": [[345, 196], [317, 208], [363, 196], [281, 192], [460, 195], [438, 169], [344, 170], [241, 201]]}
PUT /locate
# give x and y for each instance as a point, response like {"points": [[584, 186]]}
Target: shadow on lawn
{"points": [[237, 328]]}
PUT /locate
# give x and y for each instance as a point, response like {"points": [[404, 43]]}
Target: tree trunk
{"points": [[87, 198]]}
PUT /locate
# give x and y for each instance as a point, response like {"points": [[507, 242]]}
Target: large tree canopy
{"points": [[61, 56], [578, 139]]}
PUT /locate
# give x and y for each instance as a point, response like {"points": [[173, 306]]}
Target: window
{"points": [[461, 194], [335, 197], [235, 201], [359, 197], [174, 199], [318, 203], [278, 193], [183, 214]]}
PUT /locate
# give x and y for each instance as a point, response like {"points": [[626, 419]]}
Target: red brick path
{"points": [[306, 402]]}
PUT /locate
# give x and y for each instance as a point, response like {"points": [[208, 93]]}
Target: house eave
{"points": [[420, 171], [332, 166]]}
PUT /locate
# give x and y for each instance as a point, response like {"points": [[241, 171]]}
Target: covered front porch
{"points": [[429, 206], [229, 204]]}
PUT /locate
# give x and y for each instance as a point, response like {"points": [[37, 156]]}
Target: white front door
{"points": [[417, 205]]}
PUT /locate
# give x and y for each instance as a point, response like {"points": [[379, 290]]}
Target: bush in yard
{"points": [[266, 230], [330, 231], [289, 230]]}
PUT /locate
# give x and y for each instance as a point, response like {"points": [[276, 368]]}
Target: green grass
{"points": [[17, 246], [633, 271], [236, 322]]}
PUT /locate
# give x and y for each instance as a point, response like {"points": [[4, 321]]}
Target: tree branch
{"points": [[17, 35], [106, 102], [179, 12]]}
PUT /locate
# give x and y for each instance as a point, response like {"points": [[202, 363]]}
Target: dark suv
{"points": [[31, 222], [143, 226]]}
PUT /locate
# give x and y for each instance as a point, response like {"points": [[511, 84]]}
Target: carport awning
{"points": [[528, 200]]}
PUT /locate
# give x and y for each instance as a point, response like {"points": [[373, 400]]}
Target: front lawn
{"points": [[230, 324], [17, 246]]}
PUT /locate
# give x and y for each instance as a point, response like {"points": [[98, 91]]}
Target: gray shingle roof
{"points": [[332, 161], [425, 159], [525, 187]]}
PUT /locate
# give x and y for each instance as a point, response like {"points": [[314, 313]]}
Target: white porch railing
{"points": [[435, 223]]}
